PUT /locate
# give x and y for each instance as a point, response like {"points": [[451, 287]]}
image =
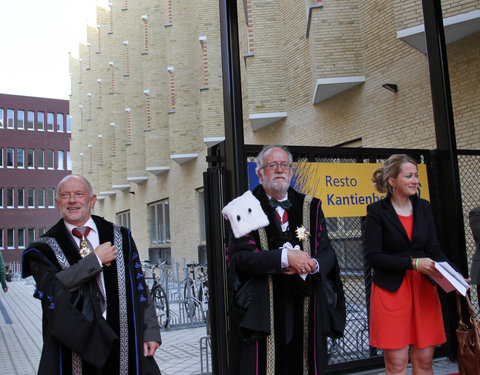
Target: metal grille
{"points": [[345, 234], [469, 171]]}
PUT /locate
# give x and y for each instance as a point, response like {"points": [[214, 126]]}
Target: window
{"points": [[59, 122], [21, 120], [69, 124], [20, 158], [2, 113], [20, 198], [41, 159], [123, 219], [60, 160], [50, 159], [69, 161], [31, 198], [50, 117], [160, 254], [1, 197], [51, 198], [21, 238], [202, 254], [202, 247], [31, 158], [31, 235], [41, 231], [31, 120], [10, 157], [10, 238], [159, 223], [1, 238], [201, 204], [10, 198], [41, 198], [40, 121], [1, 157], [10, 119]]}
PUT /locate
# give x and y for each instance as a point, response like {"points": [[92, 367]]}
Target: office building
{"points": [[34, 156]]}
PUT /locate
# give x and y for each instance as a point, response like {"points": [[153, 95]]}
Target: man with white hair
{"points": [[278, 312]]}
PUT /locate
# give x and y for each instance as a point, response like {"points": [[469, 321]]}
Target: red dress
{"points": [[410, 316]]}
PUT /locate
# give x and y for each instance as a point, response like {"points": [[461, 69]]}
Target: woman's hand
{"points": [[427, 267]]}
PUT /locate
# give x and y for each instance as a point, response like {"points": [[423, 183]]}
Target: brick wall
{"points": [[408, 13], [279, 66]]}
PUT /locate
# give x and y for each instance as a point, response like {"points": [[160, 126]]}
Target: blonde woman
{"points": [[401, 246]]}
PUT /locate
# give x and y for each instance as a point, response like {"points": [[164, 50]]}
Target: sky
{"points": [[36, 37]]}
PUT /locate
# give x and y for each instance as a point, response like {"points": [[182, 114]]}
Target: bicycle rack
{"points": [[185, 309], [205, 357]]}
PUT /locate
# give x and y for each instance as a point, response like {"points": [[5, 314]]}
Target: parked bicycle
{"points": [[203, 287], [8, 273], [195, 291], [159, 297]]}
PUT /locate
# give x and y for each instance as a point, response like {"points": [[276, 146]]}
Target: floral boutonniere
{"points": [[302, 233]]}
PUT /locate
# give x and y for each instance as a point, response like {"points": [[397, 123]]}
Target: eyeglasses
{"points": [[273, 166]]}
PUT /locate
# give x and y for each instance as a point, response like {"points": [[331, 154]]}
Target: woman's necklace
{"points": [[406, 210]]}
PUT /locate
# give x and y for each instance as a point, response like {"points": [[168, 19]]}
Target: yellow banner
{"points": [[346, 188]]}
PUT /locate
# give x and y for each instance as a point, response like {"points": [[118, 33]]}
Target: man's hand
{"points": [[106, 252], [299, 262], [5, 289], [149, 348]]}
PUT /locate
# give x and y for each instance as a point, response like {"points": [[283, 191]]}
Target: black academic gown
{"points": [[248, 267], [103, 345]]}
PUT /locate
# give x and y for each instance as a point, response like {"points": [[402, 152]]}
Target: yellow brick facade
{"points": [[147, 89], [408, 13]]}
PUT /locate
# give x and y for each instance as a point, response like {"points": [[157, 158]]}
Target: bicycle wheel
{"points": [[160, 301], [203, 299], [203, 295], [189, 295]]}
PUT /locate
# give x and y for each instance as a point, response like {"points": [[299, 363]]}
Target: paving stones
{"points": [[179, 354], [21, 337]]}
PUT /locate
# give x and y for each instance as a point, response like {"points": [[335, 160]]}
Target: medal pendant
{"points": [[84, 250]]}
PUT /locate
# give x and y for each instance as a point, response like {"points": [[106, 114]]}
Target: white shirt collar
{"points": [[90, 223]]}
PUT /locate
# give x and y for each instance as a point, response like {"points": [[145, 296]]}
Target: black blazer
{"points": [[387, 247]]}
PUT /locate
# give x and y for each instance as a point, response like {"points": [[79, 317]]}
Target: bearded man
{"points": [[98, 317], [278, 307]]}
